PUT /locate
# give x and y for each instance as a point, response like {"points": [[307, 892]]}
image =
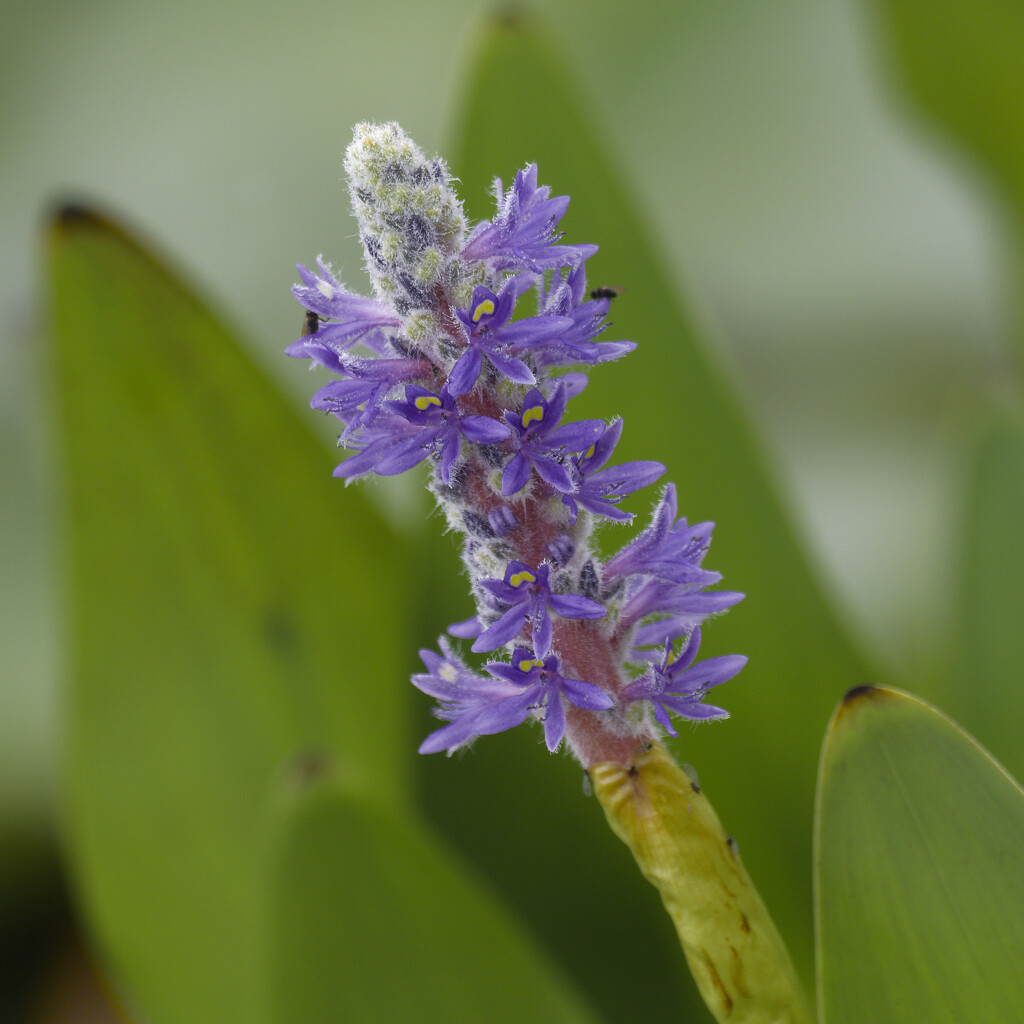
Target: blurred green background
{"points": [[846, 238]]}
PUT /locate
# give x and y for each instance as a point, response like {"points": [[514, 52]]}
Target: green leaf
{"points": [[990, 591], [438, 946], [679, 408], [232, 612], [920, 870]]}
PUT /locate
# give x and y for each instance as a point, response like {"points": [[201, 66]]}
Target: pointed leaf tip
{"points": [[865, 694], [510, 16], [73, 214], [859, 693], [860, 697], [70, 216]]}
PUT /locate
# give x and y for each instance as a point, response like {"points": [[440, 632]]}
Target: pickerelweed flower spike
{"points": [[443, 367]]}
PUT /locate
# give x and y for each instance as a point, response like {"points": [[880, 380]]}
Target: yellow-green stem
{"points": [[735, 953]]}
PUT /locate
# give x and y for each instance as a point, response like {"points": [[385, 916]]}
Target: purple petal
{"points": [[532, 330], [509, 713], [516, 473], [575, 437], [404, 455], [553, 472], [626, 477], [501, 591], [708, 673], [499, 633], [575, 383], [554, 720], [450, 449], [484, 429], [465, 372], [598, 506], [687, 655], [702, 604], [586, 695], [603, 448], [509, 672], [356, 465], [541, 633], [515, 369], [486, 721], [690, 709], [663, 719], [310, 348], [449, 737], [555, 407], [467, 629], [576, 606]]}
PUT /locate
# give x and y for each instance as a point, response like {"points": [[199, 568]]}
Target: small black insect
{"points": [[311, 323], [606, 292]]}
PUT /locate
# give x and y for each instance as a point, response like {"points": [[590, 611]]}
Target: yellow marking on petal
{"points": [[518, 578], [534, 414], [589, 452], [485, 307], [529, 663], [447, 672], [426, 401], [325, 289]]}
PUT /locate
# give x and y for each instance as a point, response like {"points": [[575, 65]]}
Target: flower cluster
{"points": [[442, 367]]}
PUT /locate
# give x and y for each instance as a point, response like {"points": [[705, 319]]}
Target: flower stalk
{"points": [[465, 359], [735, 953]]}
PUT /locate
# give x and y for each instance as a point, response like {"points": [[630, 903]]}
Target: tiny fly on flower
{"points": [[606, 292], [311, 323]]}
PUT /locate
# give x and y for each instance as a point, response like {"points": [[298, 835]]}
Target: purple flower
{"points": [[543, 444], [477, 706], [527, 597], [406, 432], [387, 446], [487, 375], [566, 297], [359, 318], [679, 686], [600, 490], [678, 608], [668, 549], [443, 427], [522, 235], [546, 686], [474, 705], [357, 400], [490, 333]]}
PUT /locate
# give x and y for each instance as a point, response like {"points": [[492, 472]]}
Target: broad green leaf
{"points": [[359, 894], [962, 64], [232, 611], [920, 870], [990, 591], [680, 409]]}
